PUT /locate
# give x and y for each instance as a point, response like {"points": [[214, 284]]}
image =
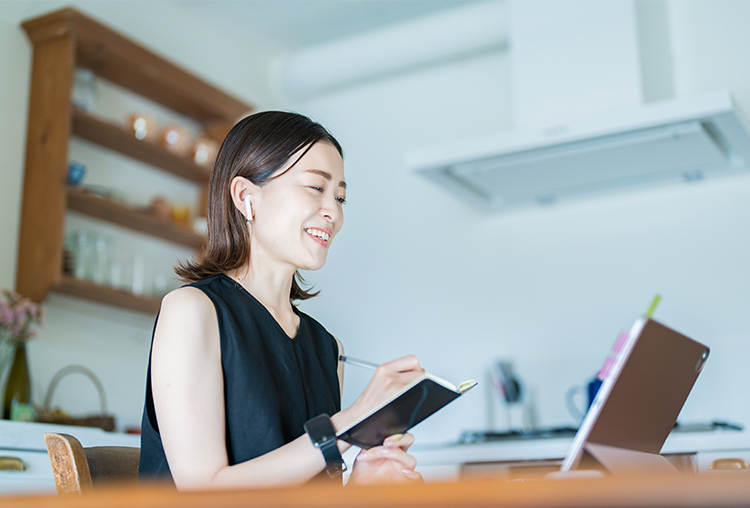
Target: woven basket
{"points": [[47, 414]]}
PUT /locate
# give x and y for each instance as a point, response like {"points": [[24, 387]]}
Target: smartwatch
{"points": [[323, 436]]}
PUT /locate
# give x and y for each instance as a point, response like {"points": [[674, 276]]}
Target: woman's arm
{"points": [[188, 392]]}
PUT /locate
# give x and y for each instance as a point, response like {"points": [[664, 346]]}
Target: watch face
{"points": [[320, 429]]}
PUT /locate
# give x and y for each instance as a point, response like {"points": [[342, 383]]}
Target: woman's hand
{"points": [[386, 464], [388, 380]]}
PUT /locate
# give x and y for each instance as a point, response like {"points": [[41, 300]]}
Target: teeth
{"points": [[319, 234]]}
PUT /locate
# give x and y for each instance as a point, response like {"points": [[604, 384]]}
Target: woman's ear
{"points": [[242, 191]]}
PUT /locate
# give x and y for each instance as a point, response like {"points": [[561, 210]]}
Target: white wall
{"points": [[111, 342], [417, 271]]}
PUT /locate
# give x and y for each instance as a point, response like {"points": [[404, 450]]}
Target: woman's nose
{"points": [[330, 211]]}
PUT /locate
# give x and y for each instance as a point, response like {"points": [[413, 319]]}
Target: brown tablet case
{"points": [[639, 400]]}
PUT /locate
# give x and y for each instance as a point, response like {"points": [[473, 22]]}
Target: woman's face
{"points": [[298, 214]]}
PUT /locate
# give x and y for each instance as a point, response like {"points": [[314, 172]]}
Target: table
{"points": [[726, 490]]}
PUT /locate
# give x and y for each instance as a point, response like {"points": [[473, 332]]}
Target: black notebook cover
{"points": [[400, 414]]}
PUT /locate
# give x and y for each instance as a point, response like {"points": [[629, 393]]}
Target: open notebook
{"points": [[415, 403]]}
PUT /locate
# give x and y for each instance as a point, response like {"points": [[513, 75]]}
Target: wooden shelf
{"points": [[125, 62], [132, 218], [101, 294], [63, 41], [113, 137]]}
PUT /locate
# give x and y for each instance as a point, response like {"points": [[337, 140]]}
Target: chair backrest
{"points": [[78, 469]]}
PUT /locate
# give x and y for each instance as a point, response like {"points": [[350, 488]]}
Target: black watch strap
{"points": [[323, 436]]}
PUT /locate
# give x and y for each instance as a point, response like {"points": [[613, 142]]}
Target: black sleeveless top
{"points": [[272, 384]]}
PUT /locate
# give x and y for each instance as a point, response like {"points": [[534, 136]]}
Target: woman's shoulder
{"points": [[194, 293], [187, 300], [187, 316]]}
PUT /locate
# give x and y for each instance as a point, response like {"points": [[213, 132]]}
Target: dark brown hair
{"points": [[256, 148]]}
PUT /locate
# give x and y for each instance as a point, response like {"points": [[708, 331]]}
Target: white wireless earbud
{"points": [[248, 208]]}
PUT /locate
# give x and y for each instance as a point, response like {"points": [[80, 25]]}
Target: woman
{"points": [[236, 370]]}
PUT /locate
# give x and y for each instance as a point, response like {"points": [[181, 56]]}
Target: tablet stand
{"points": [[622, 462]]}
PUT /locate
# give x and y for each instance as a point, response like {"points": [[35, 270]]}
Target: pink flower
{"points": [[18, 315], [6, 316]]}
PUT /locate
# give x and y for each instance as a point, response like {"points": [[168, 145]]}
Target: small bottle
{"points": [[84, 89], [17, 400]]}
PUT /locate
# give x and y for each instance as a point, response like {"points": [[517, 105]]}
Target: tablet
{"points": [[639, 400]]}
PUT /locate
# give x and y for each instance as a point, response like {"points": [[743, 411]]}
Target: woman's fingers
{"points": [[407, 363], [401, 370], [383, 464], [403, 441], [394, 454], [400, 456], [413, 475], [395, 375]]}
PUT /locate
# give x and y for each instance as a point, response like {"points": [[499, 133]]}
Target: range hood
{"points": [[601, 75], [660, 142]]}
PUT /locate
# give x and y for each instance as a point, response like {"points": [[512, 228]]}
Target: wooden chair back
{"points": [[77, 469]]}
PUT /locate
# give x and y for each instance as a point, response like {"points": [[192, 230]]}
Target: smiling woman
{"points": [[237, 374], [257, 151]]}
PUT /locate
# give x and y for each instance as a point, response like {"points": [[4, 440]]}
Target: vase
{"points": [[17, 400]]}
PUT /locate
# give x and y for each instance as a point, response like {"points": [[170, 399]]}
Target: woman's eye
{"points": [[341, 200], [319, 189]]}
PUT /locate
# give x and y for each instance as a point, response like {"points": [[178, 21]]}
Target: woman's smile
{"points": [[320, 235]]}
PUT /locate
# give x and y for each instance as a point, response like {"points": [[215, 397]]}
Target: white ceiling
{"points": [[279, 26]]}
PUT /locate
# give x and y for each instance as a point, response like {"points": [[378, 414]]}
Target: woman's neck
{"points": [[271, 287]]}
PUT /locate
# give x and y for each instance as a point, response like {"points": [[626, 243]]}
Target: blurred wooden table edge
{"points": [[726, 490]]}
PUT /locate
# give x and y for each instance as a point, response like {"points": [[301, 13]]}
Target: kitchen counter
{"points": [[449, 461]]}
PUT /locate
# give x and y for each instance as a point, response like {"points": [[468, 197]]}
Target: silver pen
{"points": [[357, 362]]}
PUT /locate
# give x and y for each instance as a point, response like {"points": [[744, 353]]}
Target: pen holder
{"points": [[510, 401]]}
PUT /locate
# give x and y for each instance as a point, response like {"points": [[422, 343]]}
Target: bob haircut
{"points": [[256, 148]]}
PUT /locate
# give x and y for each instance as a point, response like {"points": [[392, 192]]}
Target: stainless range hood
{"points": [[657, 143]]}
